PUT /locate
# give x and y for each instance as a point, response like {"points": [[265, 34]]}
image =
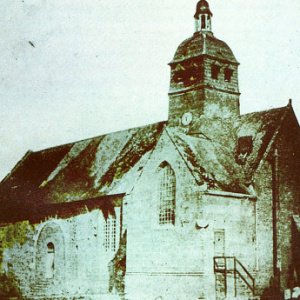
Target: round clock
{"points": [[186, 118]]}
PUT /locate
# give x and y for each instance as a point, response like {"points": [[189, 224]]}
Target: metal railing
{"points": [[231, 265]]}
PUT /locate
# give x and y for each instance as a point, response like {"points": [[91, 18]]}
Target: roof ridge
{"points": [[16, 166], [266, 110]]}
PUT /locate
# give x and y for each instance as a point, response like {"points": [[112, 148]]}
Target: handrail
{"points": [[246, 282], [249, 275], [244, 268], [234, 269]]}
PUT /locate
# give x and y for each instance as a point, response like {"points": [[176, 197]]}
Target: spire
{"points": [[203, 17]]}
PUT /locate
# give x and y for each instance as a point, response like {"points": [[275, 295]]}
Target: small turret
{"points": [[203, 17]]}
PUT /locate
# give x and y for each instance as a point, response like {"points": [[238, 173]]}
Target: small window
{"points": [[50, 260], [215, 70], [110, 234], [178, 73], [228, 74], [244, 148]]}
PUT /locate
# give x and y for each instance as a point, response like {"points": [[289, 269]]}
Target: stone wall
{"points": [[80, 262], [288, 145], [192, 101], [287, 188], [168, 260]]}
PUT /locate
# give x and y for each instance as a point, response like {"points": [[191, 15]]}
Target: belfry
{"points": [[204, 74]]}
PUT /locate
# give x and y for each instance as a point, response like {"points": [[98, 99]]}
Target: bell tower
{"points": [[204, 75]]}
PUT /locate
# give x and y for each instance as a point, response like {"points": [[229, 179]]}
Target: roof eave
{"points": [[204, 55]]}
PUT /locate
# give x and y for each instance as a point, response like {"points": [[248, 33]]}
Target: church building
{"points": [[204, 205]]}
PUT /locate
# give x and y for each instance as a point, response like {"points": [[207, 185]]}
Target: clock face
{"points": [[187, 119]]}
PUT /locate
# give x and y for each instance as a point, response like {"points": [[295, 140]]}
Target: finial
{"points": [[202, 8], [290, 103]]}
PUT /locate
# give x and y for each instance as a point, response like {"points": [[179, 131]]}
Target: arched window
{"points": [[203, 22], [50, 261], [50, 253], [167, 194]]}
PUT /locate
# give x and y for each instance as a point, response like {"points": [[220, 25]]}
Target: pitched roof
{"points": [[98, 166], [80, 170], [210, 148], [262, 126]]}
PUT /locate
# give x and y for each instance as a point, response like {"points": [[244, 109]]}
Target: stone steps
{"points": [[243, 291]]}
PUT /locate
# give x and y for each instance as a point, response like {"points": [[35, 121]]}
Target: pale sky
{"points": [[74, 69]]}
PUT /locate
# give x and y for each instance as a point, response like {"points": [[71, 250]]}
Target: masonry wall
{"points": [[158, 256], [81, 264], [220, 83], [221, 104], [287, 187], [207, 96], [192, 101], [264, 226], [176, 261], [288, 144]]}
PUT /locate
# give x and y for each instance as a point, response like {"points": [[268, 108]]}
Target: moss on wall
{"points": [[15, 234], [117, 268], [11, 235]]}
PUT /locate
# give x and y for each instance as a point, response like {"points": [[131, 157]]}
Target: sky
{"points": [[75, 69]]}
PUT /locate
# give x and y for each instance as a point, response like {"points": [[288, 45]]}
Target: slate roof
{"points": [[98, 166], [262, 126], [210, 148], [203, 44], [77, 171]]}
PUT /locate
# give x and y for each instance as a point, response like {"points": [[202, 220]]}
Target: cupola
{"points": [[203, 17]]}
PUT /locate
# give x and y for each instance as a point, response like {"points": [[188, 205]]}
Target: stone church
{"points": [[204, 205]]}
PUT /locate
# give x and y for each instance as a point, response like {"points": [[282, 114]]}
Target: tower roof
{"points": [[200, 44], [202, 8]]}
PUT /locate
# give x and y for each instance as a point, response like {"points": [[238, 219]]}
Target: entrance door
{"points": [[219, 242]]}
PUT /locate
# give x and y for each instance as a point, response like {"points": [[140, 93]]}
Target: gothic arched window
{"points": [[167, 194]]}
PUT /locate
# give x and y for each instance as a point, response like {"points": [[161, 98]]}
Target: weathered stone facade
{"points": [[63, 257], [202, 206]]}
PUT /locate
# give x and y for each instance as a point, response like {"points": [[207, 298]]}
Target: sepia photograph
{"points": [[150, 150]]}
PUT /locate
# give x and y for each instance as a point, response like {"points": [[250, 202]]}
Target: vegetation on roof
{"points": [[91, 168]]}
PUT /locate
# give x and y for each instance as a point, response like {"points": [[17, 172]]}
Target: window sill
{"points": [[162, 227]]}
